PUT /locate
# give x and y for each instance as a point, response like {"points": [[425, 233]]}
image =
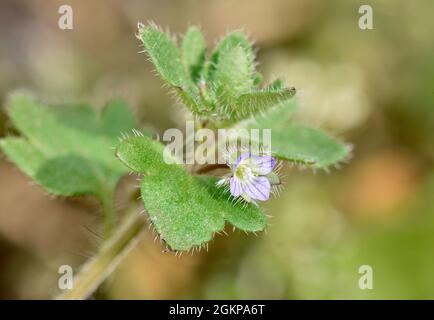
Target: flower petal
{"points": [[262, 165], [242, 158], [258, 188], [236, 188]]}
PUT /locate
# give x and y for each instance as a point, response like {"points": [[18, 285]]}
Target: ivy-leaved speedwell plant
{"points": [[69, 150], [222, 89]]}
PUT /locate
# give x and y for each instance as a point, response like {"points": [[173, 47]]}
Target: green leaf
{"points": [[231, 71], [276, 85], [297, 143], [249, 218], [186, 211], [166, 58], [232, 77], [307, 146], [233, 40], [163, 53], [67, 150], [117, 118], [274, 117], [141, 155], [255, 102], [193, 53], [257, 80]]}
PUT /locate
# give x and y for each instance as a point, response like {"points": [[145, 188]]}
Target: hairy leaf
{"points": [[254, 102], [257, 80], [233, 40], [186, 211], [294, 142], [307, 146], [163, 53], [193, 53], [231, 71], [232, 77], [68, 150], [166, 58], [248, 218], [274, 117], [277, 84]]}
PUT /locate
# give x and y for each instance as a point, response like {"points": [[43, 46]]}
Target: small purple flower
{"points": [[252, 177]]}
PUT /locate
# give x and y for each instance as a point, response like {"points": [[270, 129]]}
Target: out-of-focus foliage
{"points": [[68, 150], [315, 254]]}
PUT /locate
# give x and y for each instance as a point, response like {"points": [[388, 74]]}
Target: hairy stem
{"points": [[95, 271], [109, 216]]}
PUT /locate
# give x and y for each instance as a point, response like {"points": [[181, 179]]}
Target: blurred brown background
{"points": [[373, 88]]}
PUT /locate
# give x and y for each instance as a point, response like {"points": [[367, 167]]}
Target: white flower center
{"points": [[243, 173]]}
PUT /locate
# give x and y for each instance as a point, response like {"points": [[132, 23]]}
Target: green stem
{"points": [[95, 271], [109, 215]]}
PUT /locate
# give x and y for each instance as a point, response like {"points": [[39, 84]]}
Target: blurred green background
{"points": [[373, 88]]}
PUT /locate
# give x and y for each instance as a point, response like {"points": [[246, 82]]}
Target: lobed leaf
{"points": [[247, 218], [186, 211], [67, 150]]}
